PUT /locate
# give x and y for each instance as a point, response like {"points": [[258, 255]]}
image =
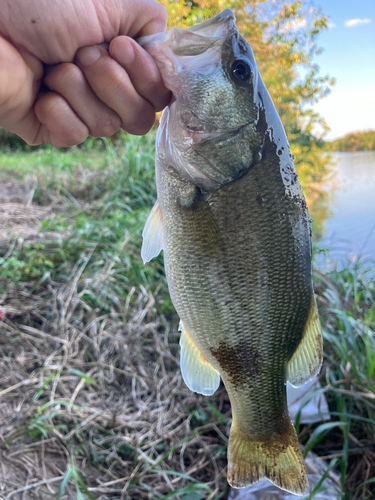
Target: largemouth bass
{"points": [[234, 226]]}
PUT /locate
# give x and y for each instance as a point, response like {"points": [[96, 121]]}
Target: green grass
{"points": [[49, 161], [347, 310], [101, 212], [88, 326]]}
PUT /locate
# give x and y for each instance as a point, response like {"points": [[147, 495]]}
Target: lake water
{"points": [[345, 213]]}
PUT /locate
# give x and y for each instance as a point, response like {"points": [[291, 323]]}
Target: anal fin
{"points": [[198, 374], [307, 359]]}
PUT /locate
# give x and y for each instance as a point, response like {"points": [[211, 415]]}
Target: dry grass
{"points": [[88, 388], [128, 417], [18, 217]]}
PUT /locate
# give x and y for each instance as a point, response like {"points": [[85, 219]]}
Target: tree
{"points": [[355, 141]]}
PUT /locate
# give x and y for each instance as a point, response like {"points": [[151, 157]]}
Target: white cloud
{"points": [[295, 25], [348, 109], [356, 22]]}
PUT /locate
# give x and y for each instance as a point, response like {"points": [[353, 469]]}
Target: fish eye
{"points": [[241, 71]]}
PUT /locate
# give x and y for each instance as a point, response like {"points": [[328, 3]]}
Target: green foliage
{"points": [[352, 335], [355, 141], [30, 261], [319, 434], [190, 492], [9, 141]]}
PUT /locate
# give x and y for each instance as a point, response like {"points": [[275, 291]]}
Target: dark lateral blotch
{"points": [[239, 361]]}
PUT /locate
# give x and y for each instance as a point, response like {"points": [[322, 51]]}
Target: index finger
{"points": [[142, 70]]}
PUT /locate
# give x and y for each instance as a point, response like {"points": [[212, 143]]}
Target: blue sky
{"points": [[349, 56]]}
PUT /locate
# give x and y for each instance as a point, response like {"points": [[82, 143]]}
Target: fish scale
{"points": [[235, 230], [192, 298]]}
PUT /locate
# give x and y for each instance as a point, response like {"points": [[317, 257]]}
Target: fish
{"points": [[234, 226]]}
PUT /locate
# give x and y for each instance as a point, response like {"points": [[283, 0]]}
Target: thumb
{"points": [[20, 78]]}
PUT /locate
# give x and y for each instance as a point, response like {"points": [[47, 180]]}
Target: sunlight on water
{"points": [[344, 211]]}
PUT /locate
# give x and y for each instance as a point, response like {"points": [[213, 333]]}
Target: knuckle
{"points": [[110, 79], [50, 108], [116, 44], [80, 135], [141, 126], [42, 108], [62, 142], [150, 85], [65, 129], [61, 75], [106, 126], [162, 13]]}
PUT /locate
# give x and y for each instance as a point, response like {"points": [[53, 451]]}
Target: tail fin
{"points": [[279, 460]]}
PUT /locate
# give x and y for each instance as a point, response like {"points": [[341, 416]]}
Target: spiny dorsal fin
{"points": [[307, 359], [196, 371], [152, 235]]}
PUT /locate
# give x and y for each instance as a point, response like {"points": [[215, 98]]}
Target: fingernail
{"points": [[126, 55], [88, 55]]}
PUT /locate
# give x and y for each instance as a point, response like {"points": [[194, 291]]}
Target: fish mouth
{"points": [[195, 50], [194, 40], [178, 47], [214, 26], [203, 36]]}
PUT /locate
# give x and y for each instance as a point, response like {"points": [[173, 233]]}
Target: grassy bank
{"points": [[91, 397]]}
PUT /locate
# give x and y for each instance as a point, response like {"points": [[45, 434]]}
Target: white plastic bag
{"points": [[316, 408]]}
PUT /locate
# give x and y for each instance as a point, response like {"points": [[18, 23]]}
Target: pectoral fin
{"points": [[152, 235], [197, 372], [307, 359]]}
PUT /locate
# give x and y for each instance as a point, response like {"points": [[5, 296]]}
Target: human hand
{"points": [[82, 95]]}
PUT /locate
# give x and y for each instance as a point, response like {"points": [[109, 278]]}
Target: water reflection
{"points": [[343, 206], [319, 201]]}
